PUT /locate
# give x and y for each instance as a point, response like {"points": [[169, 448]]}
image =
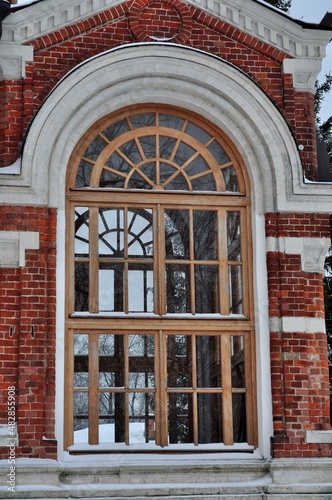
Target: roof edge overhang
{"points": [[270, 25]]}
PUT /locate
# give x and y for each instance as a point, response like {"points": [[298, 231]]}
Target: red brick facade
{"points": [[299, 367]]}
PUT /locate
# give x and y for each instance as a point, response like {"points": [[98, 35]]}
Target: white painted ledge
{"points": [[319, 437], [13, 245], [313, 251]]}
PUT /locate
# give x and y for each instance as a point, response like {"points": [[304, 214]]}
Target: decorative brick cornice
{"points": [[274, 29]]}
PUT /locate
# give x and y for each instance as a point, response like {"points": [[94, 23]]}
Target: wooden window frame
{"points": [[223, 325]]}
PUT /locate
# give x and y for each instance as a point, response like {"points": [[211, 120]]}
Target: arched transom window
{"points": [[160, 348]]}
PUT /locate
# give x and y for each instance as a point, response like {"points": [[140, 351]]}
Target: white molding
{"points": [[297, 324], [304, 73], [319, 437], [313, 251], [13, 59], [13, 245], [257, 20]]}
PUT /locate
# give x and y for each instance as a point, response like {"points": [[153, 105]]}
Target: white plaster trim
{"points": [[7, 436], [13, 245], [13, 59], [319, 436], [313, 251], [304, 73], [255, 19], [290, 324]]}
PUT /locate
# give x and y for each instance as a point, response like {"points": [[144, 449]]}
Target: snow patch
{"points": [[14, 169]]}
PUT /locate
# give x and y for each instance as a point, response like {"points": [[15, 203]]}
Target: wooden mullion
{"points": [[162, 391], [94, 263], [223, 263], [192, 264], [159, 261], [125, 270], [93, 388], [227, 412], [68, 432], [126, 384], [250, 381], [70, 255], [194, 386]]}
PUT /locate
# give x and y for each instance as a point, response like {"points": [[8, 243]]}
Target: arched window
{"points": [[160, 330]]}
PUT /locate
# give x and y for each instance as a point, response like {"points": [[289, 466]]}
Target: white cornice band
{"points": [[255, 19]]}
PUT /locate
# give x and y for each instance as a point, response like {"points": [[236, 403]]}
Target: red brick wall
{"points": [[27, 319], [299, 365], [61, 51]]}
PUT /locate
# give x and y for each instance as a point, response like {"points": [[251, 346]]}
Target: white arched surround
{"points": [[174, 75]]}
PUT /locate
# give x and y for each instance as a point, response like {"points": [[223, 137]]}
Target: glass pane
{"points": [[206, 289], [137, 181], [233, 236], [140, 233], [171, 121], [205, 235], [106, 344], [95, 148], [230, 179], [205, 183], [106, 417], [149, 170], [209, 418], [81, 231], [140, 288], [141, 417], [179, 361], [197, 133], [218, 153], [166, 147], [177, 288], [110, 367], [110, 287], [110, 180], [110, 228], [197, 166], [119, 418], [237, 360], [183, 153], [176, 234], [235, 290], [180, 418], [81, 286], [81, 344], [239, 418], [116, 162], [148, 144], [81, 420], [208, 362], [141, 345], [81, 360], [177, 183], [130, 150], [116, 130], [83, 174], [144, 120]]}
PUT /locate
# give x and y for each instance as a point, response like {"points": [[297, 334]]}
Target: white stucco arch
{"points": [[168, 74], [165, 74]]}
